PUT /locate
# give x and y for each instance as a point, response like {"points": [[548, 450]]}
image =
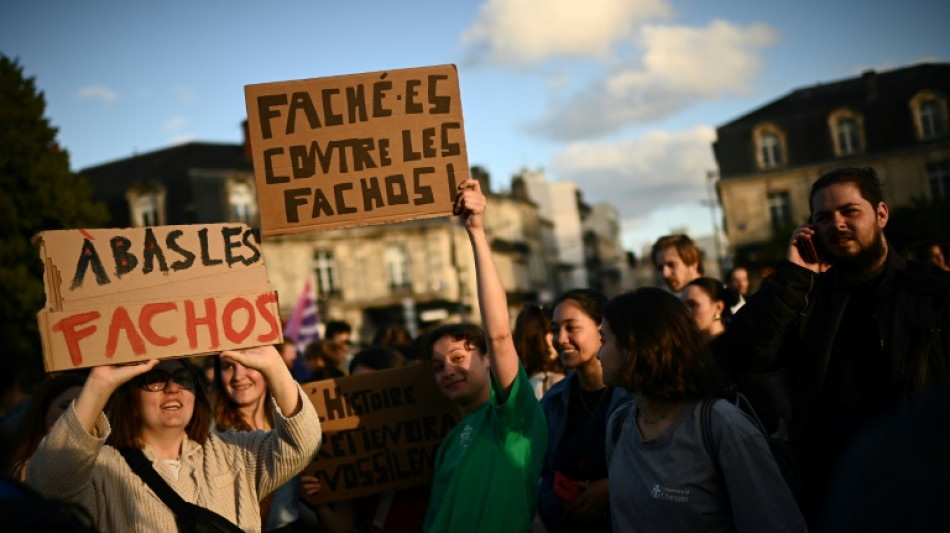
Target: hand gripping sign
{"points": [[121, 295]]}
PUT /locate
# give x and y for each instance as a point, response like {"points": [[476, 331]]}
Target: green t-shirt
{"points": [[486, 470]]}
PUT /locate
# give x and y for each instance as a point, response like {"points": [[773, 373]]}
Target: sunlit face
{"points": [[703, 309], [168, 409], [576, 335], [849, 228], [612, 357], [245, 386], [461, 372], [739, 280], [675, 272], [59, 405]]}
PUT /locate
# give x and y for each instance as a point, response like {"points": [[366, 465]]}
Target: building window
{"points": [[147, 208], [849, 140], [146, 204], [397, 269], [324, 267], [780, 207], [930, 115], [770, 146], [847, 132], [931, 120], [241, 202], [939, 175]]}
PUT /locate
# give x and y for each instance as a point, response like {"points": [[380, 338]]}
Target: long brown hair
{"points": [[126, 418], [226, 415], [532, 327]]}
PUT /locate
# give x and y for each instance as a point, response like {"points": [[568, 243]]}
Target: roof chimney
{"points": [[870, 84]]}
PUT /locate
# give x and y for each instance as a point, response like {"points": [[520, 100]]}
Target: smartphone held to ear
{"points": [[806, 248]]}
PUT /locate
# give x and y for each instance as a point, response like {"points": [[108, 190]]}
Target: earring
{"points": [[717, 316]]}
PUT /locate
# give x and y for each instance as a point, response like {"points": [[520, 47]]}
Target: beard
{"points": [[865, 258]]}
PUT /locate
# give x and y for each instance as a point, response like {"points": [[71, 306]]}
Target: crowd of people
{"points": [[656, 410]]}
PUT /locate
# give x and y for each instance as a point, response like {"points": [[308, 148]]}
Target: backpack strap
{"points": [[188, 513], [705, 415], [619, 418]]}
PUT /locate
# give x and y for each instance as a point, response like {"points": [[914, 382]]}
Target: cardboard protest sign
{"points": [[119, 295], [381, 431], [356, 150]]}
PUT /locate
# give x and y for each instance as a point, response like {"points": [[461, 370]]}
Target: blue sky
{"points": [[620, 96]]}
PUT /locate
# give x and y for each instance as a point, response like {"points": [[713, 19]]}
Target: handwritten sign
{"points": [[356, 150], [381, 431], [118, 295]]}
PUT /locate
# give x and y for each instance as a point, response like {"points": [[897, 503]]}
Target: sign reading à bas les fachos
{"points": [[355, 150], [121, 295]]}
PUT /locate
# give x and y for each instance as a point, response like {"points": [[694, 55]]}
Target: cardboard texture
{"points": [[356, 150], [381, 431], [122, 295]]}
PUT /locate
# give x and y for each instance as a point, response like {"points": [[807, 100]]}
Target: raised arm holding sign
{"points": [[161, 410], [487, 467]]}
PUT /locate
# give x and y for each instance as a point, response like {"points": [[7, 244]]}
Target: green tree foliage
{"points": [[37, 192]]}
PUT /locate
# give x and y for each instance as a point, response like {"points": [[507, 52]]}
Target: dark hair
{"points": [[590, 301], [473, 336], [718, 292], [667, 357], [126, 417], [323, 350], [734, 269], [532, 327], [377, 358], [394, 336], [32, 427], [685, 247], [864, 178], [334, 327], [226, 415]]}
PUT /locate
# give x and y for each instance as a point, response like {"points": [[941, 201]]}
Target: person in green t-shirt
{"points": [[487, 468]]}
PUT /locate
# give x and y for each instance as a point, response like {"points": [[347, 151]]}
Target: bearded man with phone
{"points": [[860, 330]]}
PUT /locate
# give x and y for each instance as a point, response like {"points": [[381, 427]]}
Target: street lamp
{"points": [[712, 202]]}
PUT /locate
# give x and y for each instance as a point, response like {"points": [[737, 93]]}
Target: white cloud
{"points": [[175, 123], [679, 66], [522, 32], [644, 175], [96, 92], [186, 95]]}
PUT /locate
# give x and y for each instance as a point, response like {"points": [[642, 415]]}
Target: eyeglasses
{"points": [[157, 380]]}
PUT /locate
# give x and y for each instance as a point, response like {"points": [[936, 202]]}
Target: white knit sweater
{"points": [[228, 475]]}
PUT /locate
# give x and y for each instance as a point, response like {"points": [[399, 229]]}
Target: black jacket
{"points": [[794, 319]]}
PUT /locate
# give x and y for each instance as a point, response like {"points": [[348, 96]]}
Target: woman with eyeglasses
{"points": [[159, 408]]}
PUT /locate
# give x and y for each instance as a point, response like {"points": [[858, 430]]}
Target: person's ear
{"points": [[719, 306], [882, 214]]}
